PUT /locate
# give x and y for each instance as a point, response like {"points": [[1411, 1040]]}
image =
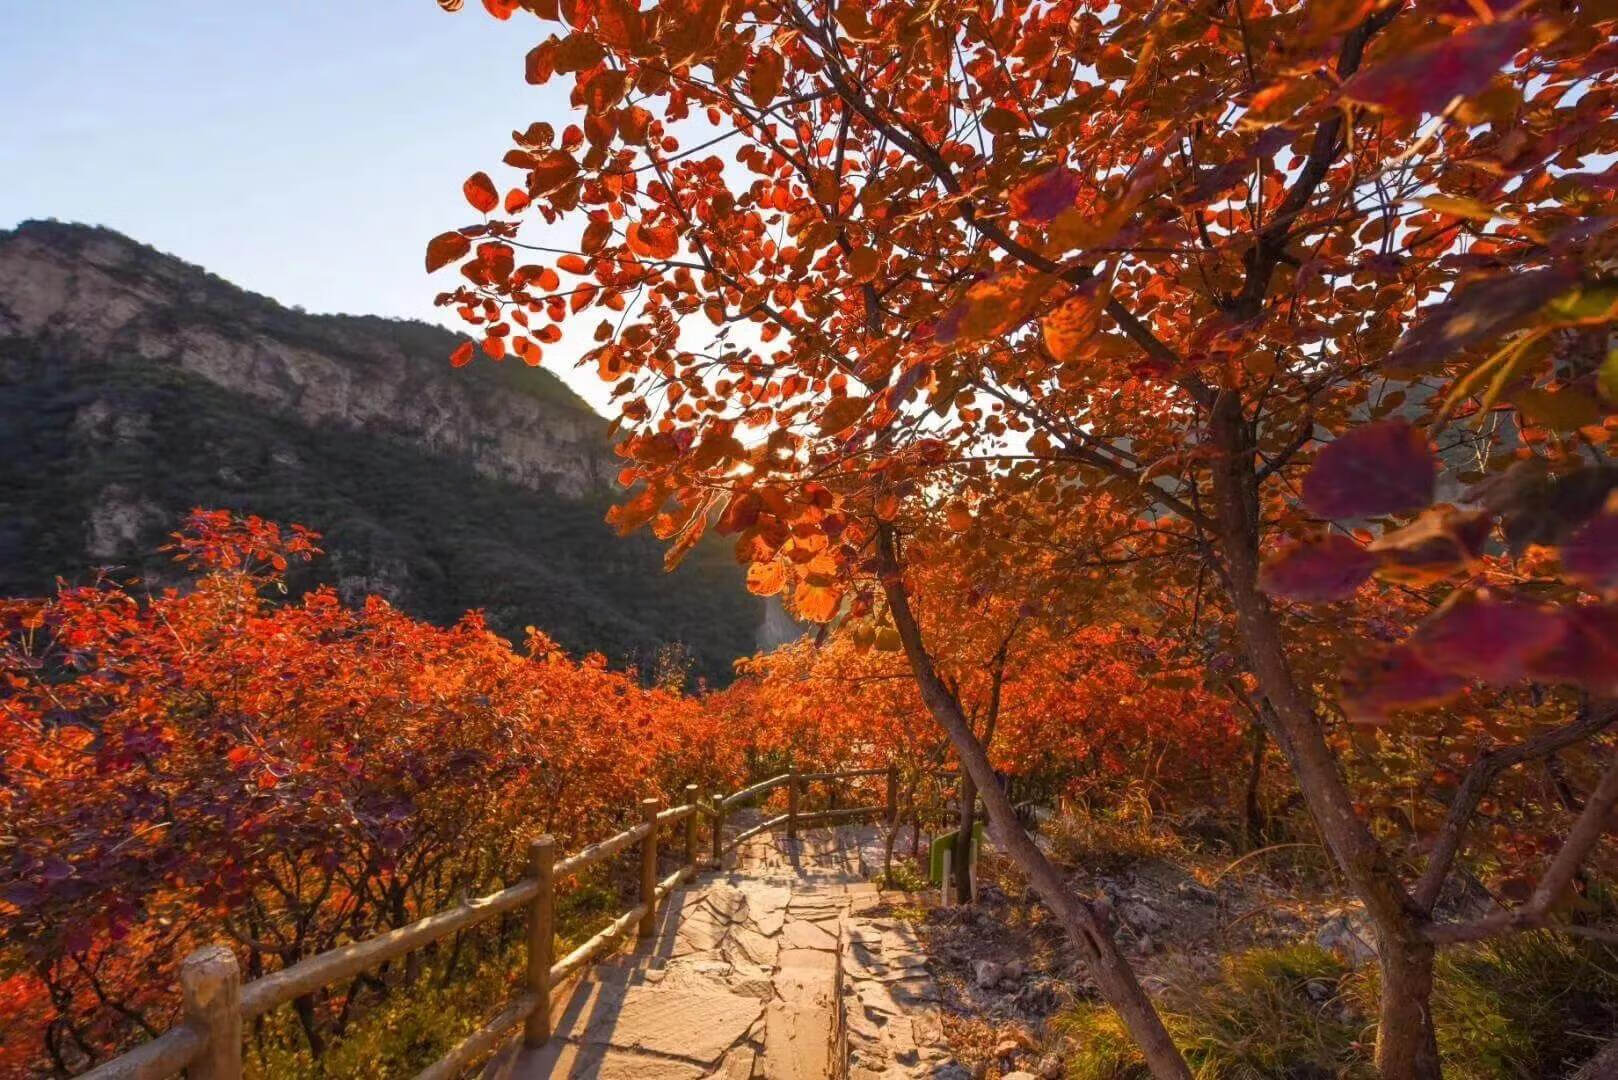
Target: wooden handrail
{"points": [[757, 789], [306, 976], [207, 1042], [163, 1056]]}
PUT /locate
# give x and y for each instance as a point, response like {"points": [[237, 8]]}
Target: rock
{"points": [[987, 973], [1013, 970], [1192, 890], [1142, 916], [1347, 933], [950, 1070], [1018, 1075], [1145, 944], [1050, 1067]]}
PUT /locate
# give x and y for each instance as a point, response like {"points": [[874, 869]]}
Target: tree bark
{"points": [[1406, 1045], [962, 857], [1253, 807], [1089, 934]]}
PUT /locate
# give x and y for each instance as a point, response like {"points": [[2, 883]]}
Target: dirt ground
{"points": [[1004, 968]]}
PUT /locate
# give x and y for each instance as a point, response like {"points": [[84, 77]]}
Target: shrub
{"points": [[1531, 1006], [1286, 1012], [1519, 1008]]}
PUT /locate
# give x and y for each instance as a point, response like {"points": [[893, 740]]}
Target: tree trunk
{"points": [[1090, 936], [1404, 1046], [1253, 806], [962, 857]]}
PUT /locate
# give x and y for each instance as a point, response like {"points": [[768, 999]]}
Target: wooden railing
{"points": [[207, 1044]]}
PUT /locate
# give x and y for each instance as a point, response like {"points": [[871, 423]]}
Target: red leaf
{"points": [[1318, 571], [1402, 680], [1376, 469], [653, 241], [445, 248], [1426, 80], [1492, 640], [1587, 653], [462, 355], [1591, 555], [1045, 196], [479, 191], [764, 81]]}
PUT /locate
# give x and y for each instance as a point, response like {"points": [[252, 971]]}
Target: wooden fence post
{"points": [[541, 935], [792, 804], [718, 831], [691, 827], [211, 987], [648, 870], [893, 794]]}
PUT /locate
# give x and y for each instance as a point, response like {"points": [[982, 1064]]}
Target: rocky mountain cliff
{"points": [[134, 386]]}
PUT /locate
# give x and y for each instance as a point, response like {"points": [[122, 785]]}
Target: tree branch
{"points": [[1490, 764]]}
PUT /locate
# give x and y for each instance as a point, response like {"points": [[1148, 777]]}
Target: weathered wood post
{"points": [[691, 827], [211, 988], [831, 793], [892, 807], [718, 831], [541, 935], [648, 870], [792, 804]]}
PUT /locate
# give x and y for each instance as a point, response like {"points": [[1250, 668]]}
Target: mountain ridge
{"points": [[135, 385]]}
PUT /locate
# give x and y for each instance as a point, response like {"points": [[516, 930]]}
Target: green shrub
{"points": [[904, 876], [1529, 1006], [1282, 1013], [1526, 1007]]}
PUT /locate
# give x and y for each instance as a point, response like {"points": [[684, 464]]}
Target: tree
{"points": [[1125, 262]]}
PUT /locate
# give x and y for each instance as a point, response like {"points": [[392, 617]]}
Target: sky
{"points": [[302, 149]]}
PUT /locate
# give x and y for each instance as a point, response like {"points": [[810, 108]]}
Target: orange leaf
{"points": [[445, 248], [766, 579], [462, 355], [841, 413], [764, 82], [479, 191], [656, 241]]}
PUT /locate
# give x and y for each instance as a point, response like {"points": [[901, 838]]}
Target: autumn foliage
{"points": [[216, 763], [1283, 317]]}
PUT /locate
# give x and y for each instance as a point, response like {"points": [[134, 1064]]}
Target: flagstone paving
{"points": [[777, 967]]}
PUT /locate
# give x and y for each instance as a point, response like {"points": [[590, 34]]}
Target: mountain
{"points": [[134, 386]]}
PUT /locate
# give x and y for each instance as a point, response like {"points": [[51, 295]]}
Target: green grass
{"points": [[416, 1024], [1271, 1013], [1525, 1007], [1530, 1007]]}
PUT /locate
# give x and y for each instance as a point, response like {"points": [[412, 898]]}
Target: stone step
{"points": [[741, 980], [893, 1026]]}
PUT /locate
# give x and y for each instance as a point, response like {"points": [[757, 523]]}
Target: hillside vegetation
{"points": [[113, 434]]}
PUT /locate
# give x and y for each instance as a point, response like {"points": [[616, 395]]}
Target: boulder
{"points": [[1347, 933]]}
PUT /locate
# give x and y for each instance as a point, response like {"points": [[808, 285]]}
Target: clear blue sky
{"points": [[304, 149]]}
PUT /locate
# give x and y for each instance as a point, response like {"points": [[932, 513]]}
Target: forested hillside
{"points": [[136, 387]]}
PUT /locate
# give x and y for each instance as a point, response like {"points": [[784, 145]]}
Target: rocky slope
{"points": [[134, 386]]}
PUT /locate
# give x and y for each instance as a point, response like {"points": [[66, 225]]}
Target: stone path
{"points": [[777, 967]]}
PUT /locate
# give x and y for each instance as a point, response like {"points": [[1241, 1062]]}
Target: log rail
{"points": [[207, 1044]]}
